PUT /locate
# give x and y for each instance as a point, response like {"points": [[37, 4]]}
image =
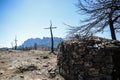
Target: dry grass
{"points": [[28, 65]]}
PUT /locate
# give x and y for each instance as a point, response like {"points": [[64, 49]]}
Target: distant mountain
{"points": [[4, 48], [45, 42]]}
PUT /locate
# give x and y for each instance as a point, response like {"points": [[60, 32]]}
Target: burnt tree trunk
{"points": [[52, 44], [112, 30], [111, 25]]}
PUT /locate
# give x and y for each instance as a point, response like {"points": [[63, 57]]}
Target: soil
{"points": [[28, 65]]}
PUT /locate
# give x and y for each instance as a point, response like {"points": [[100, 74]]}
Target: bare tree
{"points": [[35, 46], [100, 14], [16, 42]]}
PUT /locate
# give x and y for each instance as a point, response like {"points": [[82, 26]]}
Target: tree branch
{"points": [[116, 18]]}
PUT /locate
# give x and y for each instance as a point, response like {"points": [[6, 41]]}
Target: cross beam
{"points": [[52, 42]]}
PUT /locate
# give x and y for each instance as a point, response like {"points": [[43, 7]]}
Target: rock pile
{"points": [[91, 58]]}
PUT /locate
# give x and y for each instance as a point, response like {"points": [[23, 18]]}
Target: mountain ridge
{"points": [[44, 42]]}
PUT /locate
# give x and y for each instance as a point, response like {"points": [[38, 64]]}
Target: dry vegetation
{"points": [[28, 65]]}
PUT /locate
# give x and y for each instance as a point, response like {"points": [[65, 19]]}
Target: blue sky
{"points": [[28, 18]]}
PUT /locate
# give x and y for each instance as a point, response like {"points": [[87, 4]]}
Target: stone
{"points": [[87, 59]]}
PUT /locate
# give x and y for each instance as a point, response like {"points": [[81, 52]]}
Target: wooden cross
{"points": [[52, 42]]}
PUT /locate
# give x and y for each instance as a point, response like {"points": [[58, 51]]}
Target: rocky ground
{"points": [[28, 65]]}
